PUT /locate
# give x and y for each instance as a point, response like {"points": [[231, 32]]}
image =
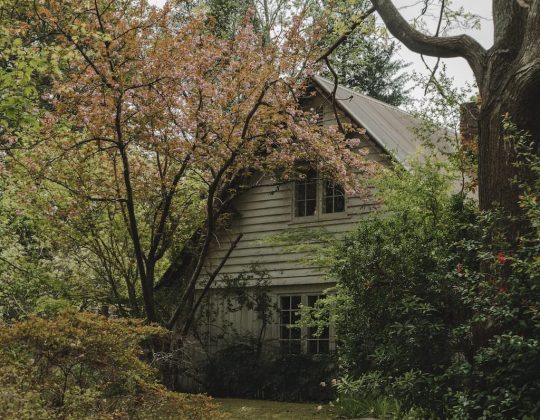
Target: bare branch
{"points": [[433, 71], [82, 194], [444, 47], [208, 284], [333, 94], [346, 35]]}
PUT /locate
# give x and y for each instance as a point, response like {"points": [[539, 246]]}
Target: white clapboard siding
{"points": [[262, 212], [267, 210]]}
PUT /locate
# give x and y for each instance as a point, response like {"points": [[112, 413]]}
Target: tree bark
{"points": [[508, 78]]}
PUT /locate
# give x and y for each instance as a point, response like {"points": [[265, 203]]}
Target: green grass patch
{"points": [[241, 409]]}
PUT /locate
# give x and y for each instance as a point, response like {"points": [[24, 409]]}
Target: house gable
{"points": [[391, 128], [267, 210]]}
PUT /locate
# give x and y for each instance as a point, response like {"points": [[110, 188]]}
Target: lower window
{"points": [[317, 341], [292, 337]]}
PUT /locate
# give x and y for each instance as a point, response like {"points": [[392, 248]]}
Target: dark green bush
{"points": [[238, 371], [436, 308]]}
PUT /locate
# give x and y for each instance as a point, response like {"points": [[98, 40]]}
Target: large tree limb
{"points": [[509, 23], [209, 282], [346, 35], [444, 47]]}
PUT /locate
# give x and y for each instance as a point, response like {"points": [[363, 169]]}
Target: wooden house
{"points": [[269, 209]]}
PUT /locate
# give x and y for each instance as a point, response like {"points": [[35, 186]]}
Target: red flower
{"points": [[503, 289], [501, 258], [459, 268]]}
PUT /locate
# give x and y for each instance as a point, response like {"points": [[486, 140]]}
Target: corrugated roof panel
{"points": [[388, 125]]}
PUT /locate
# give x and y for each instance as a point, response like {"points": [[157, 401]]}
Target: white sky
{"points": [[456, 67]]}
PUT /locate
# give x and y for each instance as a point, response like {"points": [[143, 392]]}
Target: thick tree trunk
{"points": [[507, 91], [148, 292], [508, 76]]}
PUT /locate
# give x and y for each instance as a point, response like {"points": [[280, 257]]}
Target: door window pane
{"points": [[289, 334]]}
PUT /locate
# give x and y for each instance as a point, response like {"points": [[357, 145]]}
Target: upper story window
{"points": [[313, 195], [305, 195], [333, 198]]}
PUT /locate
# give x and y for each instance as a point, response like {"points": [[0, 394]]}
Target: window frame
{"points": [[341, 193], [319, 204], [289, 341], [305, 182], [305, 332]]}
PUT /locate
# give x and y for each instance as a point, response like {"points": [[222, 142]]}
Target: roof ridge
{"points": [[324, 79]]}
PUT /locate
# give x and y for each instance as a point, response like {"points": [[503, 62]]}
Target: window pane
{"points": [[311, 332], [285, 317], [312, 299], [295, 317], [285, 333], [285, 302], [300, 190], [295, 333], [324, 346], [339, 204], [312, 347], [325, 333], [295, 302], [328, 205], [328, 188], [311, 205], [311, 190]]}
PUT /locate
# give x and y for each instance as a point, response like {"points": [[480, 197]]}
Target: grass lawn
{"points": [[258, 409]]}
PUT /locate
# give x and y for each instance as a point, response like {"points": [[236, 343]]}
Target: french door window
{"points": [[292, 337]]}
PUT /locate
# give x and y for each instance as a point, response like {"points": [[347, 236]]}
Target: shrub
{"points": [[240, 371], [80, 365], [495, 372], [438, 310], [396, 308], [356, 400]]}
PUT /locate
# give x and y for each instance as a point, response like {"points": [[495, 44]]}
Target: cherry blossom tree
{"points": [[158, 124]]}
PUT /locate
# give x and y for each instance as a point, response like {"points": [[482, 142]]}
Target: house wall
{"points": [[263, 212]]}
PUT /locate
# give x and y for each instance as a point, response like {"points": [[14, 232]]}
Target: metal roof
{"points": [[395, 130]]}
